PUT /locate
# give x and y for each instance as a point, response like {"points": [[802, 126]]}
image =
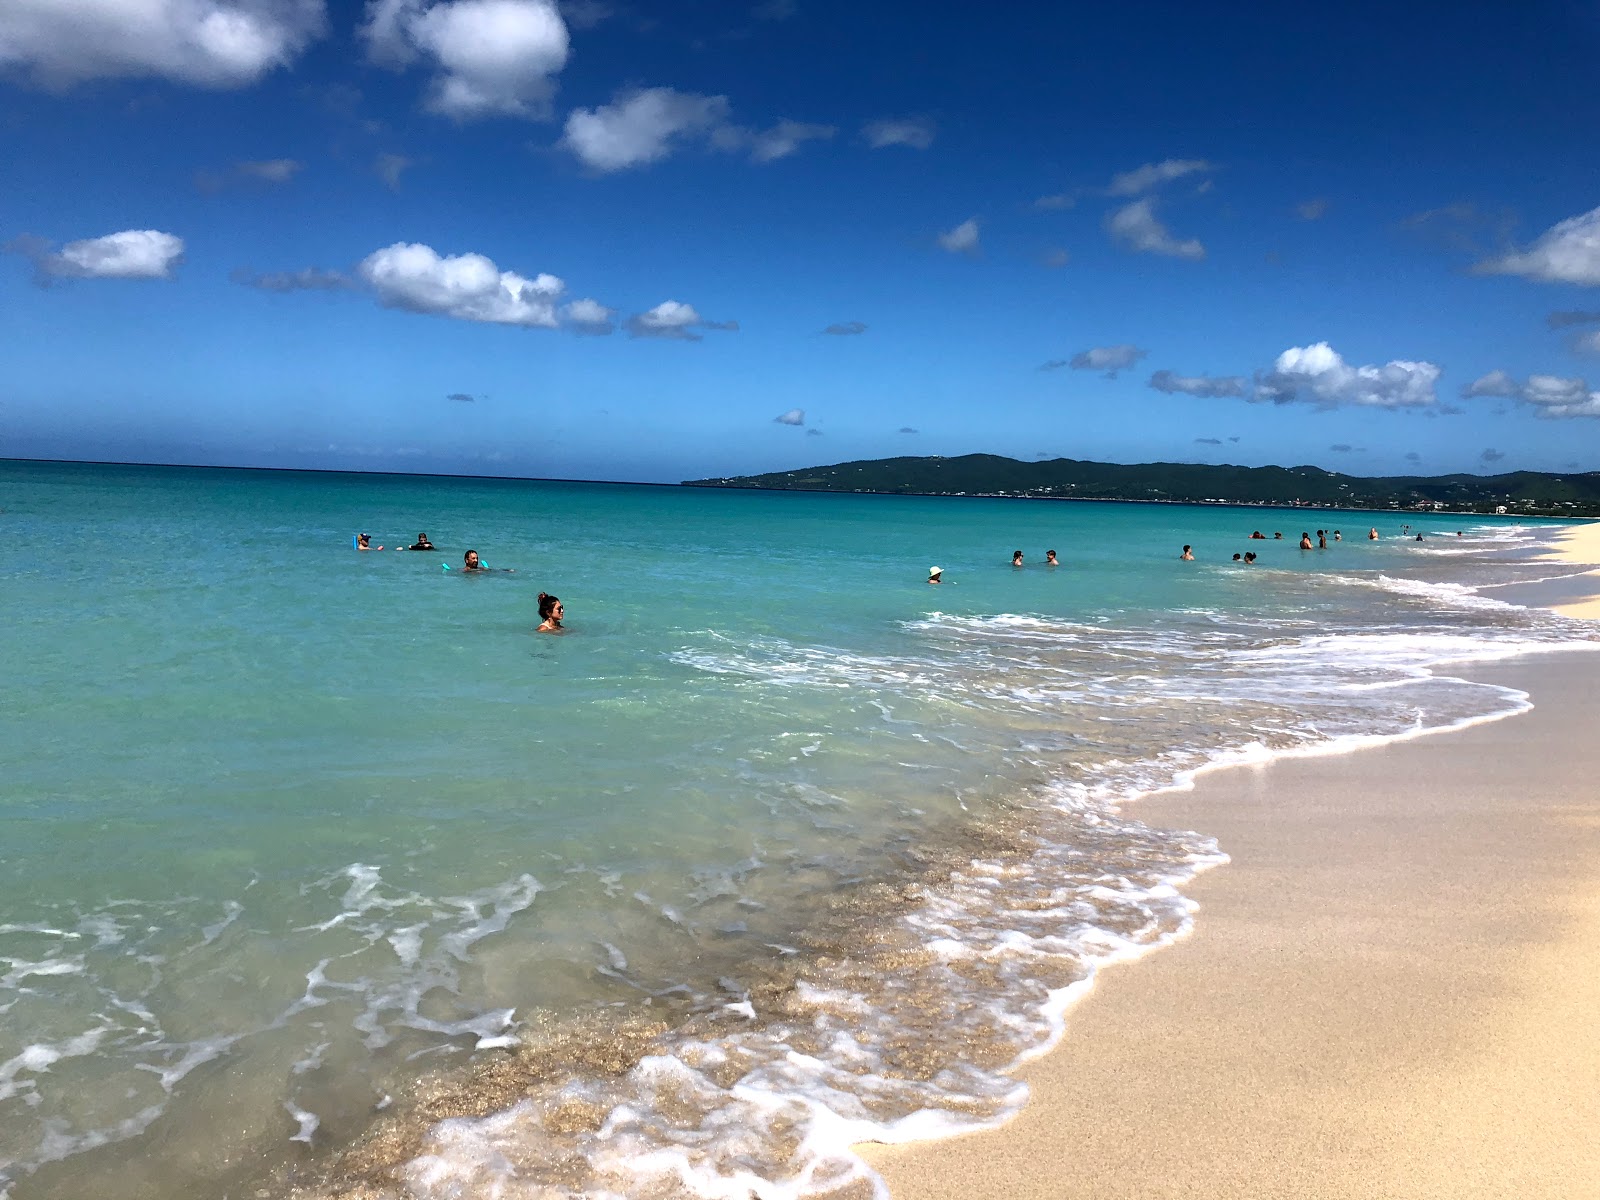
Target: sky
{"points": [[618, 240]]}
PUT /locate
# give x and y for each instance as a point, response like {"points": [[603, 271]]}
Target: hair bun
{"points": [[544, 595]]}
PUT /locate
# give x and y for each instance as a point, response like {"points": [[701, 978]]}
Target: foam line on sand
{"points": [[1390, 992]]}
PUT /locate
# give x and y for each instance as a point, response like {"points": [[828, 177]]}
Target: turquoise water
{"points": [[306, 849]]}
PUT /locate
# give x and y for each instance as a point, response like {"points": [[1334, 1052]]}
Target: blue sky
{"points": [[655, 242]]}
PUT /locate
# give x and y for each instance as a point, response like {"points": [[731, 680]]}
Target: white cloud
{"points": [[390, 167], [641, 127], [783, 139], [674, 319], [131, 254], [590, 317], [916, 132], [210, 43], [1136, 227], [1587, 343], [1152, 175], [1495, 383], [468, 287], [1568, 252], [795, 416], [490, 57], [1317, 375], [963, 239], [1109, 359], [1197, 385]]}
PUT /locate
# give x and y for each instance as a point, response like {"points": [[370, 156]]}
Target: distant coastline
{"points": [[1517, 493]]}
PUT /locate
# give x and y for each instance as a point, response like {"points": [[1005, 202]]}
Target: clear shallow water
{"points": [[321, 870]]}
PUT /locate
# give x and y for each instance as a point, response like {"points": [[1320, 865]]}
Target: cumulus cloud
{"points": [[1109, 359], [916, 132], [1567, 252], [1491, 455], [1552, 396], [589, 317], [963, 239], [489, 57], [215, 43], [1318, 376], [468, 287], [1571, 317], [795, 416], [308, 279], [640, 127], [1137, 227], [1209, 441], [131, 254], [813, 433], [1153, 175], [1311, 210], [907, 429], [1197, 385], [674, 320], [846, 328], [390, 167]]}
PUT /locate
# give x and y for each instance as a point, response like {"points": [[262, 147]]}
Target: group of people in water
{"points": [[936, 574], [551, 610]]}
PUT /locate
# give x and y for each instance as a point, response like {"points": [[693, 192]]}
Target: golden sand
{"points": [[1580, 546], [1390, 992]]}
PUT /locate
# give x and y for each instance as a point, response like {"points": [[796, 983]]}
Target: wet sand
{"points": [[1390, 992], [1580, 546]]}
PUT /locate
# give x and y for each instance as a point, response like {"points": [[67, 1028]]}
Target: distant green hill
{"points": [[1522, 492]]}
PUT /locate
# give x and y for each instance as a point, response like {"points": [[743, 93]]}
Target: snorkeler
{"points": [[422, 543], [551, 612]]}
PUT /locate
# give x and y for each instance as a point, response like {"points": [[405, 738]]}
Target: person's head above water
{"points": [[550, 611], [934, 574], [1050, 557], [363, 540], [1016, 558], [470, 562]]}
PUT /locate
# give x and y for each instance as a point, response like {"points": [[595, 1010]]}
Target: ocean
{"points": [[322, 873]]}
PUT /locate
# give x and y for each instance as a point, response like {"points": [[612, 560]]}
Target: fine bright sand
{"points": [[1581, 546], [1391, 991]]}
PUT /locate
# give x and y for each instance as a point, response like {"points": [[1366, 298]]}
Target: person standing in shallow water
{"points": [[1305, 541], [1187, 555]]}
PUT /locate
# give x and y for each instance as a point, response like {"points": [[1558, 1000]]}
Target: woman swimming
{"points": [[551, 612]]}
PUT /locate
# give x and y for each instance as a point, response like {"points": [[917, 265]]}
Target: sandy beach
{"points": [[1389, 992], [1580, 546]]}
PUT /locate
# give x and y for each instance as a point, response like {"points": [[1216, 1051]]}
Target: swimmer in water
{"points": [[1187, 555], [1016, 558], [1238, 558], [1372, 534], [1337, 536], [364, 541], [469, 561], [1050, 559], [935, 574], [551, 612], [422, 543], [1305, 541], [1250, 556]]}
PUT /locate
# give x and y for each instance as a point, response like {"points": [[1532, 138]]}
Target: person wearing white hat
{"points": [[934, 573]]}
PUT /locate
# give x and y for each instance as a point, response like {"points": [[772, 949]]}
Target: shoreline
{"points": [[1388, 991], [1580, 546]]}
